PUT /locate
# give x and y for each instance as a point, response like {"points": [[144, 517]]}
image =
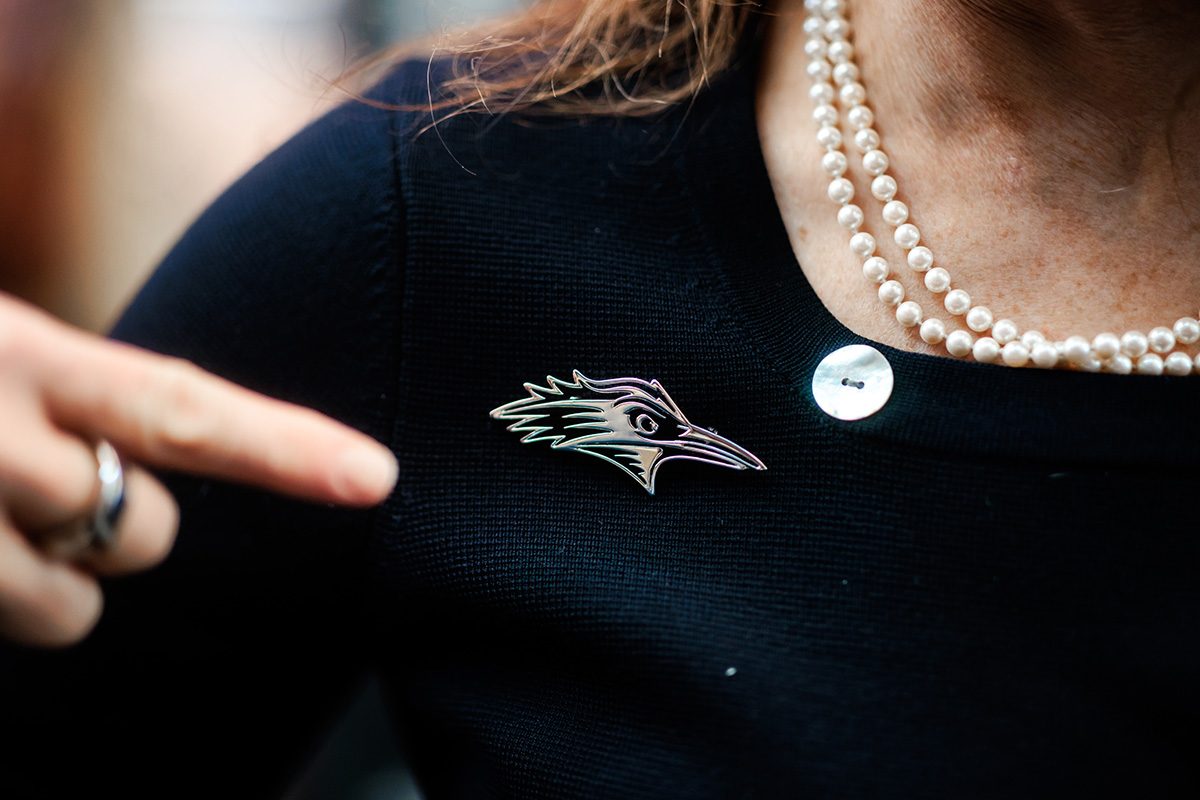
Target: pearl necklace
{"points": [[831, 57]]}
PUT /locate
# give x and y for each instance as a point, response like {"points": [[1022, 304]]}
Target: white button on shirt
{"points": [[852, 382]]}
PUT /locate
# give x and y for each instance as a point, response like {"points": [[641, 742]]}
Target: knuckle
{"points": [[18, 344], [60, 486], [183, 420], [73, 497], [58, 617], [76, 489], [10, 354], [53, 607], [43, 602], [147, 533], [161, 540], [68, 627]]}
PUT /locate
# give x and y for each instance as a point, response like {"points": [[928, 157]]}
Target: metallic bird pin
{"points": [[628, 422]]}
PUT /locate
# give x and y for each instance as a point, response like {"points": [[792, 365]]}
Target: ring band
{"points": [[102, 529]]}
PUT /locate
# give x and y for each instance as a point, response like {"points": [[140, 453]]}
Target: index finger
{"points": [[166, 412]]}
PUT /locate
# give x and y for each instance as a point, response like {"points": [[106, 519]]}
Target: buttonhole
{"points": [[855, 384]]}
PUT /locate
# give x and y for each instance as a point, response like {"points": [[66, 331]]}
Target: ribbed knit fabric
{"points": [[987, 589]]}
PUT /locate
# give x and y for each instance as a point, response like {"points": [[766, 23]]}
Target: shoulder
{"points": [[523, 193], [484, 153], [288, 282]]}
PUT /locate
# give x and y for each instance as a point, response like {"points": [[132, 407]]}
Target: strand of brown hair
{"points": [[577, 57]]}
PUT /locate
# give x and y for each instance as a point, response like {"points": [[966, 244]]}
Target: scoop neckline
{"points": [[938, 401]]}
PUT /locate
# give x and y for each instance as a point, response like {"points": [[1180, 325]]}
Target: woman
{"points": [[918, 574]]}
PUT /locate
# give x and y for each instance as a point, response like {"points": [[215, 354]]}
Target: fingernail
{"points": [[368, 473]]}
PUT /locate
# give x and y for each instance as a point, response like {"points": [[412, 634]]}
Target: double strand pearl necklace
{"points": [[831, 58]]}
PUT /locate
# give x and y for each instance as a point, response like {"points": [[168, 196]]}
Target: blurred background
{"points": [[120, 120]]}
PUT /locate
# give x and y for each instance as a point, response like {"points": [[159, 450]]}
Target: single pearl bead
{"points": [[920, 258], [908, 313], [1076, 349], [986, 349], [850, 216], [1178, 363], [860, 117], [957, 302], [908, 235], [1134, 343], [1005, 331], [1106, 345], [841, 190], [814, 7], [933, 331], [862, 244], [815, 48], [840, 52], [979, 319], [891, 292], [937, 280], [1043, 354], [851, 94], [959, 343], [876, 269], [825, 115], [818, 69], [1030, 338], [1150, 364], [813, 25], [883, 187], [1015, 354], [895, 213], [1119, 364], [829, 137], [1187, 330], [834, 163], [838, 28], [875, 162], [1091, 364], [844, 73], [1161, 340], [821, 93], [866, 139]]}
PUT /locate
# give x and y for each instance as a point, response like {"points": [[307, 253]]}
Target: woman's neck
{"points": [[1091, 96], [1046, 149]]}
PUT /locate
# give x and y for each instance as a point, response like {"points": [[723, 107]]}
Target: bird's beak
{"points": [[716, 449]]}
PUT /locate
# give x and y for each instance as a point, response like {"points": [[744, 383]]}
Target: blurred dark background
{"points": [[120, 121]]}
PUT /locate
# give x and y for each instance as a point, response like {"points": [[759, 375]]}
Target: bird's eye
{"points": [[645, 424]]}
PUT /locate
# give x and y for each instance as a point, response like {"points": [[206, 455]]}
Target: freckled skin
{"points": [[1059, 210]]}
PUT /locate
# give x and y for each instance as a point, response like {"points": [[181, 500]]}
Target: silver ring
{"points": [[102, 528]]}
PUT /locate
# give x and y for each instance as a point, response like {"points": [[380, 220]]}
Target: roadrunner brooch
{"points": [[630, 423]]}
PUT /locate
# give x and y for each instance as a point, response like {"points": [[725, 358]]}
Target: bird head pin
{"points": [[629, 422]]}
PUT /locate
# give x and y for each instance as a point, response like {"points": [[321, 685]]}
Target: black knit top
{"points": [[986, 589]]}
